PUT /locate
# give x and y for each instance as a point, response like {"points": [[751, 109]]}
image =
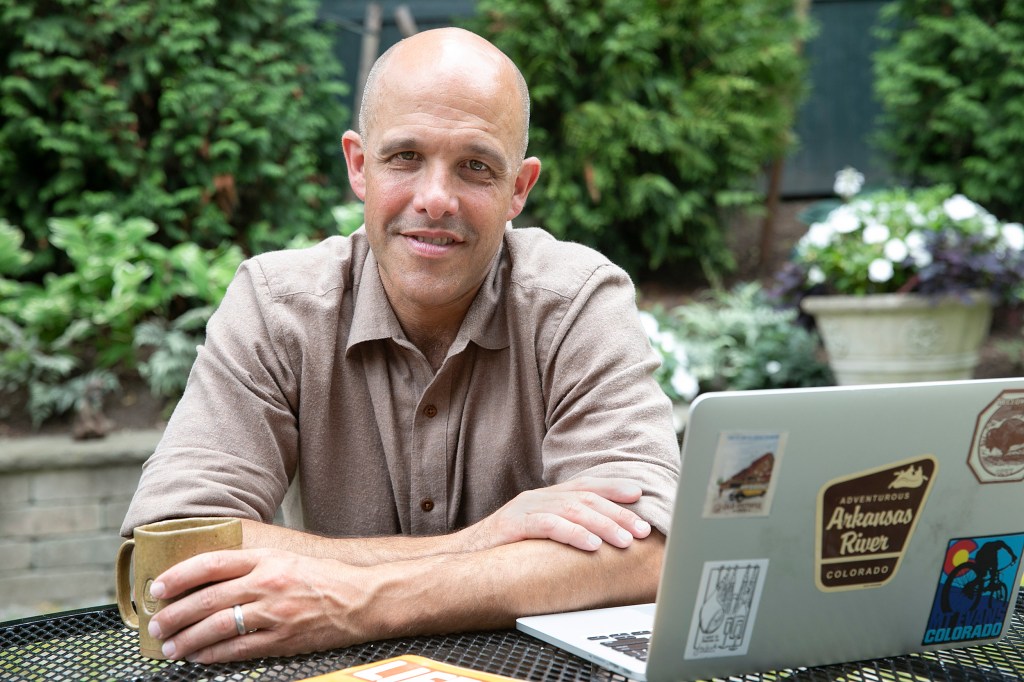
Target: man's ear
{"points": [[525, 180], [355, 160]]}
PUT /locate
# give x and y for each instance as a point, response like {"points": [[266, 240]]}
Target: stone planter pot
{"points": [[889, 338]]}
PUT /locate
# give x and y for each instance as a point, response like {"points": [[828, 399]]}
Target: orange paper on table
{"points": [[409, 668]]}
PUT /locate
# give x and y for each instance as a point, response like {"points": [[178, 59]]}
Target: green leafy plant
{"points": [[735, 340], [215, 120], [652, 117], [171, 350], [85, 322], [83, 395], [948, 78]]}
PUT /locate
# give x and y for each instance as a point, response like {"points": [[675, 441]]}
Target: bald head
{"points": [[453, 56]]}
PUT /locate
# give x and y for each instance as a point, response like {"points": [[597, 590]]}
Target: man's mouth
{"points": [[437, 241]]}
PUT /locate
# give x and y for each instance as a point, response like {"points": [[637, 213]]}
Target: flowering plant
{"points": [[926, 240]]}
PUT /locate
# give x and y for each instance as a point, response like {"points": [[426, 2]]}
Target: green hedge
{"points": [[950, 78], [215, 120], [652, 117]]}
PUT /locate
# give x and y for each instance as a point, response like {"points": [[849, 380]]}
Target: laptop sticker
{"points": [[744, 474], [975, 586], [865, 521], [727, 601], [997, 448]]}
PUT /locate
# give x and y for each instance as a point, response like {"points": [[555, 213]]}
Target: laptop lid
{"points": [[824, 525]]}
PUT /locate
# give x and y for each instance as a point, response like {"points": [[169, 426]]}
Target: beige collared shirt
{"points": [[306, 377]]}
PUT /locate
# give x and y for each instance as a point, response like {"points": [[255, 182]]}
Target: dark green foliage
{"points": [[651, 117], [215, 120], [950, 79]]}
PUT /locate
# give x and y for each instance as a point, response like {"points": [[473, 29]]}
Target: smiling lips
{"points": [[437, 241]]}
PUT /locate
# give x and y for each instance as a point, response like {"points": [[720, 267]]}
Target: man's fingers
{"points": [[559, 529], [202, 569]]}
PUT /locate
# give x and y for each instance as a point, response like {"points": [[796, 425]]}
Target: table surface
{"points": [[92, 644]]}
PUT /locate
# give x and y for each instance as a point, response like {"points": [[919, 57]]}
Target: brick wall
{"points": [[61, 506]]}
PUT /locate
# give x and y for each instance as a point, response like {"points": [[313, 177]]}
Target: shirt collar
{"points": [[485, 323]]}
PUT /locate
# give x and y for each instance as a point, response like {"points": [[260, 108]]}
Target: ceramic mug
{"points": [[153, 549]]}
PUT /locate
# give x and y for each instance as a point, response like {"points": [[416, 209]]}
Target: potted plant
{"points": [[901, 282]]}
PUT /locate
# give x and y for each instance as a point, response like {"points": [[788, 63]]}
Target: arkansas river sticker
{"points": [[997, 449], [865, 521], [974, 590], [727, 601], [744, 475]]}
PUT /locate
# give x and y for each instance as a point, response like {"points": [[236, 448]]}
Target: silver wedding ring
{"points": [[239, 621]]}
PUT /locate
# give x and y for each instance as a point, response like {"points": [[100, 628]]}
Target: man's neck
{"points": [[431, 330]]}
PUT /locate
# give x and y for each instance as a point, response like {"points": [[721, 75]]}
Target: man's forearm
{"points": [[353, 551], [490, 589], [584, 513]]}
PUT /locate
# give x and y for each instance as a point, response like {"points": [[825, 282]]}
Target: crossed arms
{"points": [[566, 547]]}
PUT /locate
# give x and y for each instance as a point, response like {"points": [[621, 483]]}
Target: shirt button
{"points": [[430, 411], [427, 504]]}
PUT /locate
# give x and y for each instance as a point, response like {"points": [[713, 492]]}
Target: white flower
{"points": [[880, 270], [843, 220], [959, 207], [989, 226], [772, 367], [819, 235], [875, 233], [684, 383], [848, 182], [896, 250], [917, 244], [914, 214], [1013, 235], [815, 275]]}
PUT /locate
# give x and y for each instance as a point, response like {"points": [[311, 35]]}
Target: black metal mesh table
{"points": [[94, 645]]}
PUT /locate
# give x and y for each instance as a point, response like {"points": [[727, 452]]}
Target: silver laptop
{"points": [[827, 525]]}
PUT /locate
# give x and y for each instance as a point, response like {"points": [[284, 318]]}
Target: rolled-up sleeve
{"points": [[606, 415], [231, 446]]}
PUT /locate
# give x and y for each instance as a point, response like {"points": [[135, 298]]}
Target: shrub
{"points": [[651, 117], [734, 340], [84, 321], [215, 120], [950, 79]]}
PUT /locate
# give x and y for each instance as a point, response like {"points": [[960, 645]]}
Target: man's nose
{"points": [[436, 194]]}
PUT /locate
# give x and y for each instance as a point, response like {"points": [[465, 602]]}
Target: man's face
{"points": [[440, 174]]}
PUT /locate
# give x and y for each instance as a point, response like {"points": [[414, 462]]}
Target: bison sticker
{"points": [[997, 449]]}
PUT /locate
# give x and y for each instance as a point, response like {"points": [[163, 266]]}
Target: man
{"points": [[465, 412]]}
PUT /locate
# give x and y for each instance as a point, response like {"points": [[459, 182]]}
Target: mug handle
{"points": [[124, 589]]}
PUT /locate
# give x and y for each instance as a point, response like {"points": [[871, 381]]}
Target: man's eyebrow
{"points": [[487, 153]]}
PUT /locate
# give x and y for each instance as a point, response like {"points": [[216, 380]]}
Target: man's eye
{"points": [[406, 156], [477, 165]]}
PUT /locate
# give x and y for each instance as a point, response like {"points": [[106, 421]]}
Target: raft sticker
{"points": [[975, 587], [744, 474], [997, 448], [727, 601], [865, 521]]}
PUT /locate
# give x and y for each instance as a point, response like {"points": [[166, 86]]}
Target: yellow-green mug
{"points": [[155, 547]]}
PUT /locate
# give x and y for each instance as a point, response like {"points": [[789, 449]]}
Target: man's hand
{"points": [[582, 513], [295, 604]]}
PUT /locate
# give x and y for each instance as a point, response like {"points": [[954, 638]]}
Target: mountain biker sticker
{"points": [[975, 587], [997, 449], [865, 522]]}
